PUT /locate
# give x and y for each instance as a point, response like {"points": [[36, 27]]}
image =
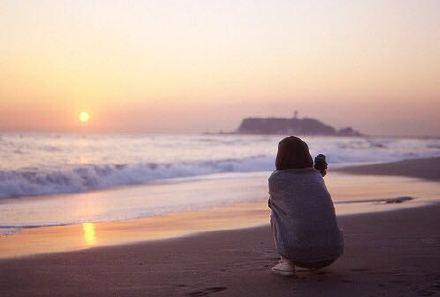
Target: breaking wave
{"points": [[35, 165], [82, 178]]}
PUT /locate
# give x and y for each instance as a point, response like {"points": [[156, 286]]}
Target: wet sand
{"points": [[387, 254], [428, 168]]}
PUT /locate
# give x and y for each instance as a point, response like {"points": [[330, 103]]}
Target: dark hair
{"points": [[293, 153]]}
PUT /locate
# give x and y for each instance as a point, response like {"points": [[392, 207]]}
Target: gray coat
{"points": [[303, 216]]}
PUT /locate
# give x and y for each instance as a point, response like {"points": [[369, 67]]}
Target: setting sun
{"points": [[84, 117]]}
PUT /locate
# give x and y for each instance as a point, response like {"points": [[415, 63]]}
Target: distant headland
{"points": [[295, 125]]}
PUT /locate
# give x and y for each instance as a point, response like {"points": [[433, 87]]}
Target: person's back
{"points": [[303, 219]]}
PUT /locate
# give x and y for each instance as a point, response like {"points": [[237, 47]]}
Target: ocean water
{"points": [[42, 164], [62, 179]]}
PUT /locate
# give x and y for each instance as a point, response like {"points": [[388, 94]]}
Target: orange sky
{"points": [[196, 66]]}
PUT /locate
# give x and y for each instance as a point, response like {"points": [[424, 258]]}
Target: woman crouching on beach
{"points": [[303, 218]]}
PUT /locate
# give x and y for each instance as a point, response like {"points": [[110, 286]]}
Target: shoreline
{"points": [[47, 240], [359, 196]]}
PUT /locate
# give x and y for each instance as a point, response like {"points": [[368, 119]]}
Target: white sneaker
{"points": [[284, 268]]}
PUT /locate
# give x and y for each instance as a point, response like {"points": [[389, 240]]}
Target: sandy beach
{"points": [[419, 168], [387, 254]]}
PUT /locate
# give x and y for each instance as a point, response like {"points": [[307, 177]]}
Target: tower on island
{"points": [[295, 114]]}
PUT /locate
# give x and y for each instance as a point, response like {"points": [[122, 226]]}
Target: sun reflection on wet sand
{"points": [[344, 188], [89, 233]]}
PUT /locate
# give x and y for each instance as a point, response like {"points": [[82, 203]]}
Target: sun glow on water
{"points": [[89, 233]]}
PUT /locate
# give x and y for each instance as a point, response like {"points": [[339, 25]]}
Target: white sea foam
{"points": [[35, 165], [71, 179]]}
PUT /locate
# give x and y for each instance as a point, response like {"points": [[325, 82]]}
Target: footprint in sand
{"points": [[207, 291], [359, 269], [398, 281]]}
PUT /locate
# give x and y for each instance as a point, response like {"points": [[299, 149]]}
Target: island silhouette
{"points": [[294, 125]]}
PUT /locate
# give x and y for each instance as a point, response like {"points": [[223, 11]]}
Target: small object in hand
{"points": [[320, 164]]}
